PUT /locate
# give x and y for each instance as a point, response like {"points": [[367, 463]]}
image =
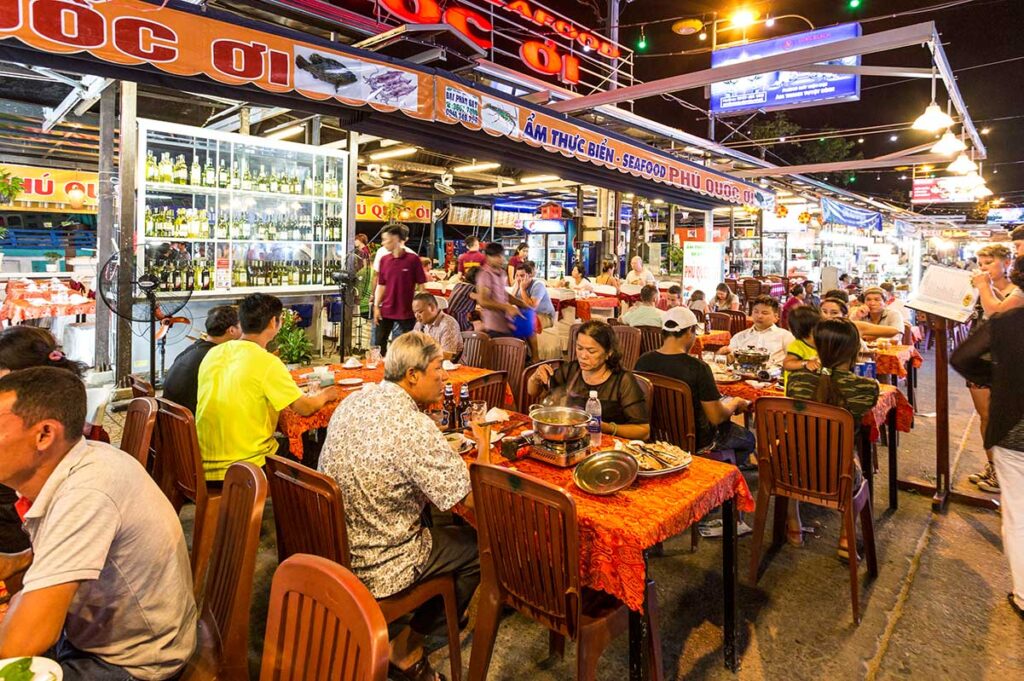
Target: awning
{"points": [[178, 45]]}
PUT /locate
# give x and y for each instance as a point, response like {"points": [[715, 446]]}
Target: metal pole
{"points": [[352, 170], [128, 160], [613, 36], [105, 218], [243, 121]]}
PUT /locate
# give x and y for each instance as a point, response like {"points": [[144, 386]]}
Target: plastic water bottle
{"points": [[594, 427]]}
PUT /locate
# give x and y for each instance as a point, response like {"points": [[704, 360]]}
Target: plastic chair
{"points": [[222, 651], [323, 624], [139, 422], [524, 398], [650, 338], [489, 388], [805, 453], [509, 355], [309, 514], [529, 560], [180, 468], [476, 349], [628, 338], [140, 387]]}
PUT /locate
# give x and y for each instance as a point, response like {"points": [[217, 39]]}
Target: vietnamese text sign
{"points": [[1002, 216], [703, 266], [785, 89], [54, 190], [950, 189], [373, 209]]}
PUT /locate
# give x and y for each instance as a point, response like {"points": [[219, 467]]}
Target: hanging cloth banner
{"points": [[841, 214]]}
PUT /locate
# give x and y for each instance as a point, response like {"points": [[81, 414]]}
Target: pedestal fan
{"points": [[154, 296], [347, 280]]}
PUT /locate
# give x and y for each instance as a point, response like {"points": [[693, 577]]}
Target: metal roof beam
{"points": [[884, 71], [882, 41], [841, 166], [78, 101]]}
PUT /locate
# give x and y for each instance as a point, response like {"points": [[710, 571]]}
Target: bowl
{"points": [[559, 424]]}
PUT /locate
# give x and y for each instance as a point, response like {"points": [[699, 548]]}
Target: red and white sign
{"points": [[942, 190]]}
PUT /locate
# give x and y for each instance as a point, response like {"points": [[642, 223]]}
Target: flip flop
{"points": [[421, 671]]}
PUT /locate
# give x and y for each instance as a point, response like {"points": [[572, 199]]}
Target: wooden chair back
{"points": [[737, 321], [140, 386], [733, 284], [529, 545], [574, 332], [476, 349], [672, 415], [650, 338], [615, 321], [719, 321], [227, 596], [509, 355], [805, 450], [309, 512], [179, 454], [646, 388], [524, 397], [628, 338], [489, 388], [323, 623], [751, 290], [701, 317], [908, 335], [137, 434]]}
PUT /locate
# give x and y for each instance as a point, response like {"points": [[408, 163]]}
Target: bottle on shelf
{"points": [[165, 171], [236, 177], [294, 180], [273, 185], [246, 184], [152, 168], [223, 177], [307, 184], [262, 183], [180, 170], [209, 174], [195, 172]]}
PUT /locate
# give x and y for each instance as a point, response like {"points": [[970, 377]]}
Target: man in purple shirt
{"points": [[401, 275], [472, 257], [492, 295]]}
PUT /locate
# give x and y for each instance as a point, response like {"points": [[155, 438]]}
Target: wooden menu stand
{"points": [[941, 491]]}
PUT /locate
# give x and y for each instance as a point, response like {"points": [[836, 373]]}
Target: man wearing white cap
{"points": [[715, 429]]}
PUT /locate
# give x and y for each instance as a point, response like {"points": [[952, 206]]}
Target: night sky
{"points": [[975, 33]]}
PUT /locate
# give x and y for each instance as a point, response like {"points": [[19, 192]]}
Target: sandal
{"points": [[420, 671], [795, 537]]}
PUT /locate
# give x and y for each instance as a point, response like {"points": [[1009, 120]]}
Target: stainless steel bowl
{"points": [[606, 472], [559, 424]]}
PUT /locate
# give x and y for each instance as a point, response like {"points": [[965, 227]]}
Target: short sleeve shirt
{"points": [[494, 281], [389, 460], [445, 330], [381, 252], [643, 315], [622, 400], [100, 520], [471, 259], [400, 276], [800, 350], [181, 383], [242, 390], [694, 373], [539, 292], [772, 340], [860, 394], [644, 277]]}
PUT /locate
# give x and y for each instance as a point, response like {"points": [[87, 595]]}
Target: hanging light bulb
{"points": [[981, 192], [948, 145], [962, 165], [934, 118]]}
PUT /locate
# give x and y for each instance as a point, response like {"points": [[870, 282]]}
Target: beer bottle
{"points": [[463, 419], [448, 407]]}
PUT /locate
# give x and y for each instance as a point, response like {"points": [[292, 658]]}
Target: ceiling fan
{"points": [[371, 176], [445, 184]]}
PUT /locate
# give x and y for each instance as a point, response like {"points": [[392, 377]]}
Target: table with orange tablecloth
{"points": [[892, 411], [617, 530], [293, 425], [710, 341], [585, 305], [899, 361], [23, 302]]}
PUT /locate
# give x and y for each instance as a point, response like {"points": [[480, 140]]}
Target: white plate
{"points": [[44, 669], [350, 381], [459, 443]]}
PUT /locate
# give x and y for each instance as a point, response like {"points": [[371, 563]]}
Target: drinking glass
{"points": [[708, 356], [373, 357], [481, 432]]}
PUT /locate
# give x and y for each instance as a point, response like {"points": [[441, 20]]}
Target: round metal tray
{"points": [[605, 472]]}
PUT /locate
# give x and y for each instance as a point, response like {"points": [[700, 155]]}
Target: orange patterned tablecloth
{"points": [[615, 530], [889, 397], [710, 341], [893, 360], [585, 305], [292, 425]]}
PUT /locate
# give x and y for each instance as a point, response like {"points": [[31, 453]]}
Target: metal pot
{"points": [[750, 360], [559, 424]]}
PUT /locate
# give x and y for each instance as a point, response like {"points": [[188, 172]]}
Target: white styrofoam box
{"points": [[79, 341]]}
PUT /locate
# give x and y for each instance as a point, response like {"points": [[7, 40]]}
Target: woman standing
{"points": [[598, 368]]}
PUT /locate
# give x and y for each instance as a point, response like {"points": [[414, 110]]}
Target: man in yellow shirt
{"points": [[243, 388]]}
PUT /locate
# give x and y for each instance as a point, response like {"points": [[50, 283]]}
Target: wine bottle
{"points": [[307, 184], [180, 170], [152, 168], [195, 174], [236, 177], [272, 184], [261, 180], [166, 170], [209, 174], [223, 178], [246, 180]]}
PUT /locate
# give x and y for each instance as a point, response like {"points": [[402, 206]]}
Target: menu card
{"points": [[945, 292]]}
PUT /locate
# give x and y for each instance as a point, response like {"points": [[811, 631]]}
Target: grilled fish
{"points": [[328, 70]]}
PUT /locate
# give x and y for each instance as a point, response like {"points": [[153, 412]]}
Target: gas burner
{"points": [[562, 454]]}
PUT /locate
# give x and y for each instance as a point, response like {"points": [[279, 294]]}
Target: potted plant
{"points": [[293, 346], [10, 186], [52, 258]]}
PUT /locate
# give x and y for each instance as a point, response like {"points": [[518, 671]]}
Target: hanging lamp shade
{"points": [[948, 145], [962, 165], [933, 119], [982, 191]]}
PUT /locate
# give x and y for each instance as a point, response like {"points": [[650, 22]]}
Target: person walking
{"points": [[400, 278]]}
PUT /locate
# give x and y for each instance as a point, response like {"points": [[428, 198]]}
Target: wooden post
{"points": [[105, 218], [127, 157], [942, 484]]}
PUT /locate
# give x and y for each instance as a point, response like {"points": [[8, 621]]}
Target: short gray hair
{"points": [[411, 350]]}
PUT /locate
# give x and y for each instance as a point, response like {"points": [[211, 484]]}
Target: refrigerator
{"points": [[548, 242]]}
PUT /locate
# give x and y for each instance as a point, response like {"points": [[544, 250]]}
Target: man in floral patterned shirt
{"points": [[390, 459]]}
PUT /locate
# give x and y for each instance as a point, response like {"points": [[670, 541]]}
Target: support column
{"points": [[351, 171], [128, 160], [243, 120], [105, 219]]}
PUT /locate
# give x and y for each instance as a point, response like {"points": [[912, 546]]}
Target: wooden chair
{"points": [[489, 388], [805, 453], [140, 387], [733, 284], [222, 651], [751, 290], [323, 624], [476, 349], [183, 479], [650, 338], [615, 321], [628, 338], [737, 321], [139, 422], [646, 387], [719, 321], [529, 560], [524, 398], [509, 355], [309, 514], [574, 332], [701, 317], [671, 405]]}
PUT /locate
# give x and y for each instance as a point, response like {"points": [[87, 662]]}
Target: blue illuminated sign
{"points": [[785, 89]]}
